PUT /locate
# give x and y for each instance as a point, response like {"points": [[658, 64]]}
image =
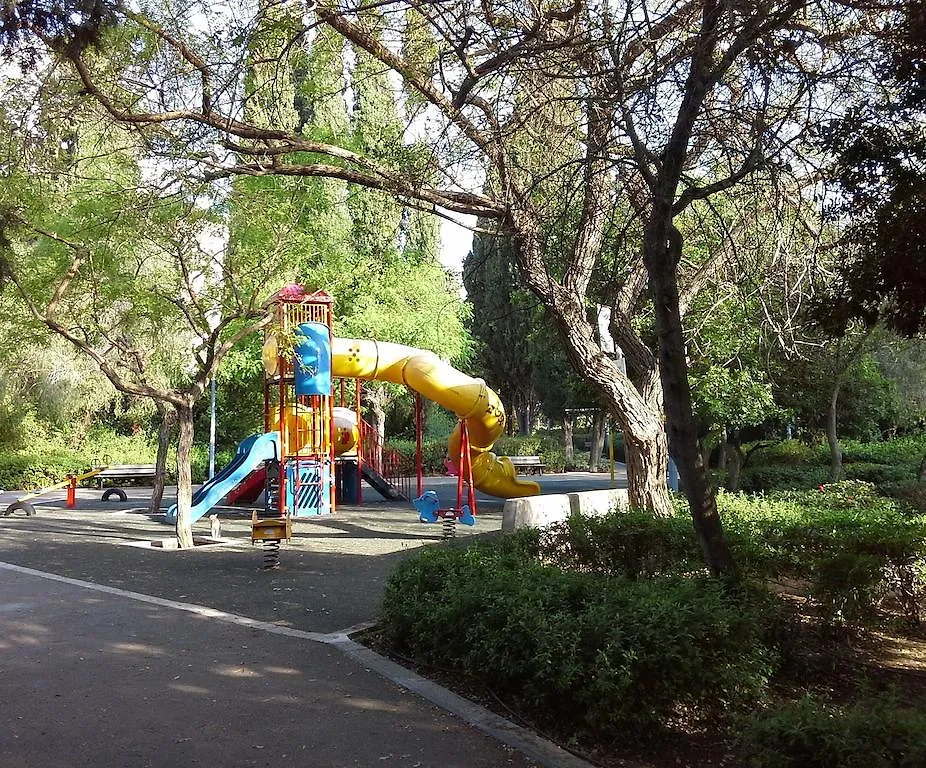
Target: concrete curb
{"points": [[541, 511], [546, 753]]}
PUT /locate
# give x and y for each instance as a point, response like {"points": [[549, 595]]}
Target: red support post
{"points": [[461, 467], [418, 440], [360, 456], [71, 500]]}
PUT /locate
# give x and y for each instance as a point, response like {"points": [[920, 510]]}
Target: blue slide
{"points": [[251, 454]]}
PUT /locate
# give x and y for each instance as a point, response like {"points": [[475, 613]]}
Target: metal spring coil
{"points": [[271, 554], [449, 526]]}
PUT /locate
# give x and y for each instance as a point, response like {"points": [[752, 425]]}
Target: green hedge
{"points": [[433, 454], [852, 546], [585, 652], [869, 734], [754, 479], [901, 450], [26, 471]]}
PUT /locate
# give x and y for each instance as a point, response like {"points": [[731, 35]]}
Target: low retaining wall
{"points": [[541, 511]]}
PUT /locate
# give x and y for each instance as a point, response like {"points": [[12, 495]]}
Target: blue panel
{"points": [[314, 492], [313, 359]]}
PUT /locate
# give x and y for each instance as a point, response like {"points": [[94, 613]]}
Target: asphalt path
{"points": [[117, 653]]}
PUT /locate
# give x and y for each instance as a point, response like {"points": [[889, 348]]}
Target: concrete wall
{"points": [[541, 511]]}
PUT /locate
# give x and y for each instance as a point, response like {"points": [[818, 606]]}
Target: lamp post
{"points": [[212, 428]]}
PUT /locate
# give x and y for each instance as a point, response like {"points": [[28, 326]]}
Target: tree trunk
{"points": [[705, 447], [160, 465], [832, 436], [662, 252], [524, 421], [641, 424], [568, 450], [734, 464], [594, 458], [184, 476], [647, 464]]}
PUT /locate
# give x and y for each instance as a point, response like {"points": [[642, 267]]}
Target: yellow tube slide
{"points": [[470, 399]]}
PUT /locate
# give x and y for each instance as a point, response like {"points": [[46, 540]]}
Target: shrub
{"points": [[630, 544], [852, 546], [548, 447], [433, 454], [26, 471], [874, 734], [518, 445], [785, 453], [901, 450], [879, 474], [588, 653], [754, 479], [910, 493]]}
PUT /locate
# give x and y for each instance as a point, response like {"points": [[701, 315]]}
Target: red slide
{"points": [[248, 489]]}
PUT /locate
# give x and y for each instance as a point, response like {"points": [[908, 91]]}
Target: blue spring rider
{"points": [[429, 510]]}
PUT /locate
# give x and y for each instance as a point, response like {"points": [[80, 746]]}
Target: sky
{"points": [[455, 242]]}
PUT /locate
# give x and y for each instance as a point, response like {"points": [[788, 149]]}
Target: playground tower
{"points": [[298, 404]]}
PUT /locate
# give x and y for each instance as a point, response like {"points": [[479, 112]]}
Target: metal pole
{"points": [[212, 429], [611, 449]]}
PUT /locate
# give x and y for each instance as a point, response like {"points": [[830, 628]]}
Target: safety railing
{"points": [[386, 461]]}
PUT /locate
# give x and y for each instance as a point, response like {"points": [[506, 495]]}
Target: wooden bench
{"points": [[121, 472], [527, 463]]}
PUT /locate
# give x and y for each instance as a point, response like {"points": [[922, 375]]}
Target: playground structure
{"points": [[316, 448]]}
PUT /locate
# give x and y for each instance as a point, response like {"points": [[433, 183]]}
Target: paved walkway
{"points": [[113, 653]]}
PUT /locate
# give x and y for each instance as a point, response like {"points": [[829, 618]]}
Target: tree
{"points": [[107, 260], [658, 108], [880, 171], [504, 316]]}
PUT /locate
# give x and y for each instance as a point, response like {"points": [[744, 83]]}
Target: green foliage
{"points": [[732, 398], [755, 479], [50, 459], [25, 471], [788, 452], [879, 474], [900, 450], [433, 454], [851, 546], [630, 544], [875, 733], [548, 447], [588, 653]]}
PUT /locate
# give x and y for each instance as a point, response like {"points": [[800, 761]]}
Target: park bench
{"points": [[120, 473], [533, 464]]}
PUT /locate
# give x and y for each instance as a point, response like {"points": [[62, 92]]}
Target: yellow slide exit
{"points": [[470, 399]]}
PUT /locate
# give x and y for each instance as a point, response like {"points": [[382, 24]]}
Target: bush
{"points": [[910, 493], [630, 544], [433, 454], [852, 546], [199, 462], [548, 447], [585, 652], [786, 453], [874, 734], [879, 474], [754, 479], [26, 471], [901, 450]]}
